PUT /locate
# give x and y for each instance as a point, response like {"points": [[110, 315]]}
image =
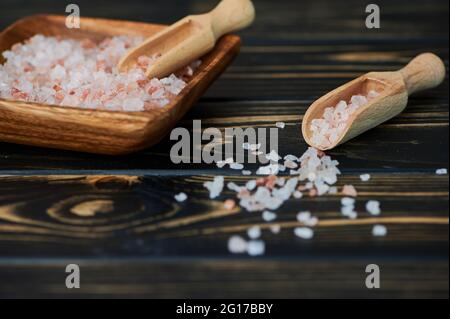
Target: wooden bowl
{"points": [[99, 131]]}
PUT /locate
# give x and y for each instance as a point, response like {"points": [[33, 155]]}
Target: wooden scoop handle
{"points": [[232, 15], [425, 71]]}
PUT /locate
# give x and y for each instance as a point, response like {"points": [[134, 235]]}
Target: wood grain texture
{"points": [[115, 216], [100, 131]]}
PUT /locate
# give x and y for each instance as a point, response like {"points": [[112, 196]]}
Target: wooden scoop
{"points": [[190, 38], [423, 72]]}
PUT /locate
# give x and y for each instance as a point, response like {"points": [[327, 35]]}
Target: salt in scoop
{"points": [[190, 38], [424, 72]]}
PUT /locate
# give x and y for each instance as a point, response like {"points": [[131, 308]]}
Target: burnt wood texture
{"points": [[115, 216]]}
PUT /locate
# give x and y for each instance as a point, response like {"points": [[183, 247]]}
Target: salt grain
{"points": [[268, 216], [275, 229], [215, 187], [229, 204], [364, 177], [441, 171], [236, 166], [280, 125], [373, 207], [379, 231], [237, 245], [349, 190], [254, 232], [304, 232], [256, 247], [181, 197]]}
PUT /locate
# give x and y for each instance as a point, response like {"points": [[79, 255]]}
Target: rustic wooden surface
{"points": [[115, 216]]}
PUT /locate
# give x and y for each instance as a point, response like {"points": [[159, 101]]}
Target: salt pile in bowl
{"points": [[328, 129], [83, 74]]}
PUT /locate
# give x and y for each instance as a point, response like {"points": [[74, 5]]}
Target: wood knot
{"points": [[93, 207]]}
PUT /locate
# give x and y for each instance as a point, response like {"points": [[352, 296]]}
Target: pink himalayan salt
{"points": [[349, 190], [68, 72], [328, 129], [229, 204]]}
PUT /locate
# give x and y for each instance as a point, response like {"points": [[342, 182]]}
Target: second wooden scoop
{"points": [[423, 72], [190, 38]]}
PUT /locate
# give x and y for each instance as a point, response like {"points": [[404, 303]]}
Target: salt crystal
{"points": [[269, 216], [373, 207], [215, 187], [441, 171], [181, 197], [250, 185], [229, 204], [246, 172], [280, 125], [379, 231], [237, 245], [290, 157], [256, 247], [273, 156], [304, 232], [236, 166], [346, 201], [275, 228], [254, 232], [349, 190], [298, 194], [222, 163], [364, 177]]}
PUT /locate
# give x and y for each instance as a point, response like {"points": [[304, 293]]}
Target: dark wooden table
{"points": [[149, 246]]}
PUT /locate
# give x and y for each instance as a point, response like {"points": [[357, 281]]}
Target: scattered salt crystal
{"points": [[256, 247], [304, 232], [290, 157], [346, 201], [275, 229], [273, 156], [234, 187], [298, 194], [280, 125], [236, 166], [271, 169], [255, 147], [246, 172], [268, 216], [379, 230], [229, 204], [290, 164], [254, 232], [215, 187], [237, 245], [441, 171], [364, 177], [250, 185], [349, 190], [181, 197], [222, 163], [373, 207], [307, 219]]}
